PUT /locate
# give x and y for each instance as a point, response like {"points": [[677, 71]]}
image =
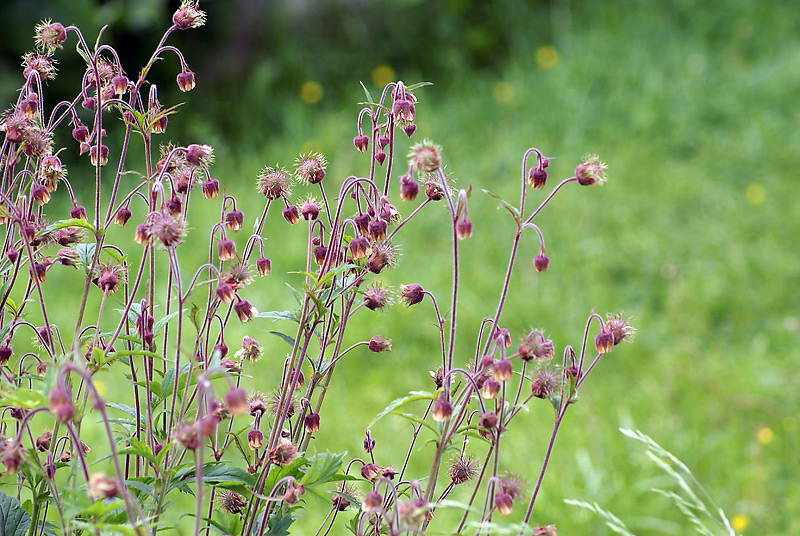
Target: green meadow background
{"points": [[695, 107]]}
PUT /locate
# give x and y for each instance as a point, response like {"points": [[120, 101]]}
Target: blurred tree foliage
{"points": [[258, 52]]}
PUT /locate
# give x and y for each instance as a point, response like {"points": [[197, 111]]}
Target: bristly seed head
{"points": [[425, 156], [620, 327], [545, 383], [536, 346], [463, 469], [230, 501], [42, 64], [284, 452], [274, 182], [310, 168], [188, 16], [50, 35], [377, 297], [591, 171]]}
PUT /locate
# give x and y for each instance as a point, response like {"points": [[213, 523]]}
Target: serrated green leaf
{"points": [[85, 253], [323, 467], [399, 402], [14, 520], [279, 523]]}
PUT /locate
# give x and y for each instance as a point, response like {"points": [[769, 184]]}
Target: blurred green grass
{"points": [[694, 108]]}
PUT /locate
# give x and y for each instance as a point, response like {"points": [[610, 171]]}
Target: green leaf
{"points": [[24, 399], [61, 224], [279, 315], [398, 402], [297, 294], [289, 340], [86, 253], [418, 420], [505, 204], [163, 322], [14, 520], [323, 467], [366, 92], [279, 523], [129, 410]]}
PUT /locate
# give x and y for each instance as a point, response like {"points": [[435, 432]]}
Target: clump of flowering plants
{"points": [[186, 424]]}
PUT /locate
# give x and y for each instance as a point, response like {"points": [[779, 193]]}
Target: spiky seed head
{"points": [[274, 182]]}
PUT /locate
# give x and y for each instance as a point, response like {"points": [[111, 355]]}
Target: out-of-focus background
{"points": [[695, 107]]}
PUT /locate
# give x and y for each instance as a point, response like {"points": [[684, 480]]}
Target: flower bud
{"points": [[442, 409], [174, 205], [380, 156], [490, 389], [503, 370], [185, 81], [291, 214], [409, 189], [40, 194], [61, 403], [81, 133], [379, 344], [79, 213], [604, 342], [120, 84], [377, 230], [264, 266], [210, 188], [488, 420], [463, 229], [122, 216], [225, 293], [409, 129], [370, 471], [88, 103], [503, 503], [236, 400], [244, 310], [234, 220], [226, 249], [372, 499], [311, 423], [383, 140], [540, 262], [102, 487], [361, 142]]}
